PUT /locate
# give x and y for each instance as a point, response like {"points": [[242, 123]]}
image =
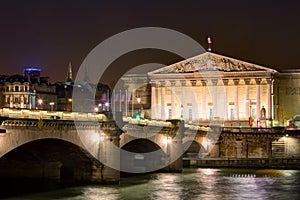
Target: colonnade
{"points": [[206, 99]]}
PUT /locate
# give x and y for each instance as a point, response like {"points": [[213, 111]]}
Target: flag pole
{"points": [[209, 41]]}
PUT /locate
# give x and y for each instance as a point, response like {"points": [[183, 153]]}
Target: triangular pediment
{"points": [[210, 62]]}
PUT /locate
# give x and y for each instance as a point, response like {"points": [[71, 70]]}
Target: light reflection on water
{"points": [[191, 184]]}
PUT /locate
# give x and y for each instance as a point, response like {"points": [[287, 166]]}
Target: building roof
{"points": [[16, 78], [211, 62]]}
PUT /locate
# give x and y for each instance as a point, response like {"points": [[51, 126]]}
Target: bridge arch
{"points": [[142, 155], [54, 160], [193, 149]]}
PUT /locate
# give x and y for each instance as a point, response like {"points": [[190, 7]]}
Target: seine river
{"points": [[191, 184]]}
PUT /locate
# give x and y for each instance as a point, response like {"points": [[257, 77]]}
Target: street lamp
{"points": [[107, 105], [139, 102], [51, 105], [100, 106], [40, 102]]}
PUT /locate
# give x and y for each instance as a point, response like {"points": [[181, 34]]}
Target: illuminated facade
{"points": [[214, 87], [30, 92], [286, 96]]}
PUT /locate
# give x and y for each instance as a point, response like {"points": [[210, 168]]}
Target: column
{"points": [[204, 106], [236, 99], [269, 96], [11, 101], [126, 102], [258, 80], [247, 98], [113, 101], [215, 97], [194, 100], [225, 82], [22, 101], [120, 101], [163, 103], [131, 99], [173, 83], [183, 103], [153, 101]]}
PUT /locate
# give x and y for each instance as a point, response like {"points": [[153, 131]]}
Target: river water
{"points": [[191, 184]]}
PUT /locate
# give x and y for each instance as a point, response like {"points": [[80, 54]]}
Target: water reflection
{"points": [[191, 184], [167, 185]]}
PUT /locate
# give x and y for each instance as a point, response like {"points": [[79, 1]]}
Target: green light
{"points": [[137, 116]]}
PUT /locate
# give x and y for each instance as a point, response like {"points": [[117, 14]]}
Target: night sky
{"points": [[47, 34]]}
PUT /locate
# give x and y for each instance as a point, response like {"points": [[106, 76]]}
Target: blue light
{"points": [[32, 69]]}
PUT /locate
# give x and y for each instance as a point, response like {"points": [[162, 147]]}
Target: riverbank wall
{"points": [[270, 163]]}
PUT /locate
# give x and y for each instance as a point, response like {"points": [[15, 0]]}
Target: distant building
{"points": [[65, 90], [30, 91]]}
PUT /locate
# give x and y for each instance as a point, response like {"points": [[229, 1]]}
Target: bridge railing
{"points": [[279, 130], [47, 114]]}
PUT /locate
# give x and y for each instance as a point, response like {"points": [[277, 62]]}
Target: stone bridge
{"points": [[86, 151]]}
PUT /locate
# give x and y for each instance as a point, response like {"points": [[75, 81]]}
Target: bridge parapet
{"points": [[48, 124], [47, 114]]}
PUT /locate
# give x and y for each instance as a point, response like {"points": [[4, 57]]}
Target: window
{"points": [[7, 89], [232, 113], [16, 88], [26, 89], [211, 114], [170, 113], [190, 114], [16, 100], [253, 113]]}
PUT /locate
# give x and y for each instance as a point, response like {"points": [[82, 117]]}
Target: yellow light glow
{"points": [[40, 101], [167, 140]]}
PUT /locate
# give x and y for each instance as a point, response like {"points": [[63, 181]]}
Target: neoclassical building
{"points": [[211, 87]]}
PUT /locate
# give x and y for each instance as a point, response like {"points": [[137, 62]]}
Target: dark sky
{"points": [[48, 34]]}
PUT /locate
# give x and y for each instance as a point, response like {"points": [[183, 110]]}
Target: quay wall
{"points": [[270, 163]]}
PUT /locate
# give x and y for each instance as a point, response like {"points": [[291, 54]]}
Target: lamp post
{"points": [[51, 105], [139, 103], [107, 106], [69, 105], [40, 102]]}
